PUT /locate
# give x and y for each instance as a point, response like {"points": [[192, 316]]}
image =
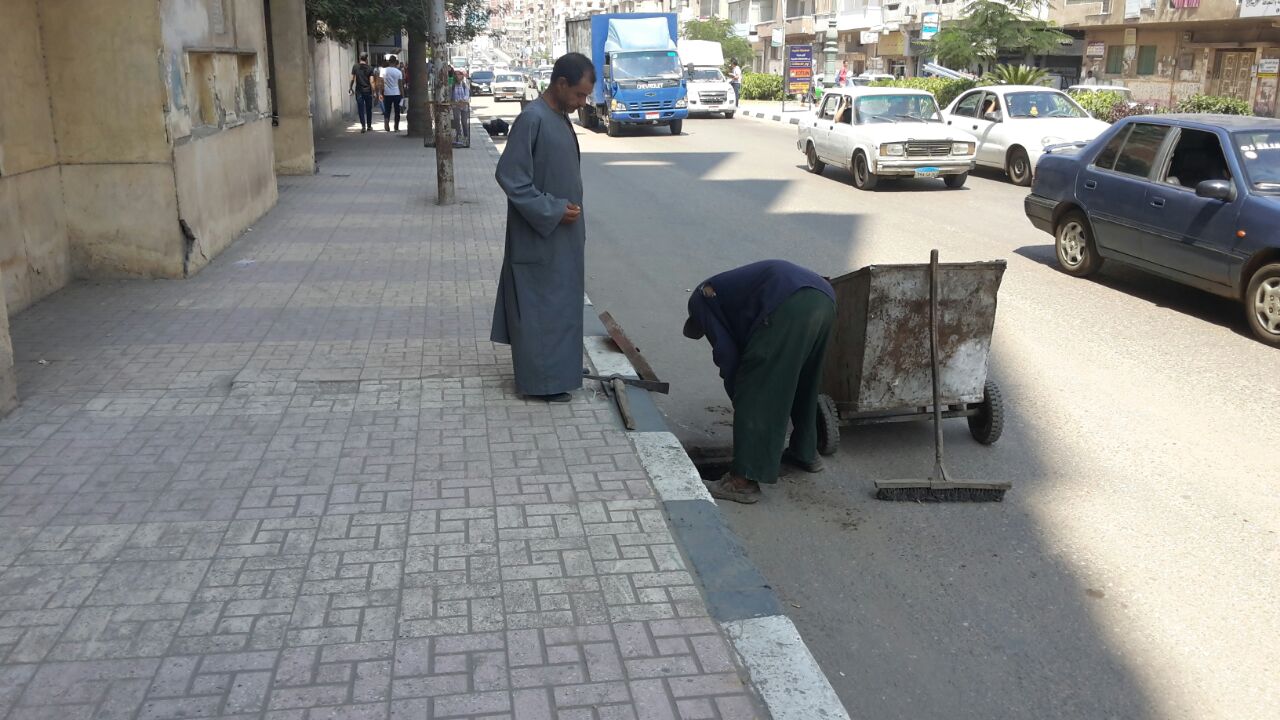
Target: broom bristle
{"points": [[930, 495]]}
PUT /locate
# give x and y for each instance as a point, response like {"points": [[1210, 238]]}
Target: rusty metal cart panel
{"points": [[878, 367]]}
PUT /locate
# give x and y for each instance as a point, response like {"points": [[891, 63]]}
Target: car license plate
{"points": [[927, 172], [651, 116]]}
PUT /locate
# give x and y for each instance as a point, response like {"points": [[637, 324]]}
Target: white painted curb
{"points": [[783, 670], [606, 359], [668, 465]]}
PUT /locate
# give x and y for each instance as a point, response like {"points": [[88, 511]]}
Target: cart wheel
{"points": [[987, 425], [828, 426]]}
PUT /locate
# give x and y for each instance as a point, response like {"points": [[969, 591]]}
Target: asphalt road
{"points": [[1132, 571]]}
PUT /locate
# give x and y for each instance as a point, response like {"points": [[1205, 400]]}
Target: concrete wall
{"points": [[218, 114], [331, 107], [226, 181], [112, 139], [295, 149], [34, 253]]}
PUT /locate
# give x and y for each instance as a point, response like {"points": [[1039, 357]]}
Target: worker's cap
{"points": [[693, 329]]}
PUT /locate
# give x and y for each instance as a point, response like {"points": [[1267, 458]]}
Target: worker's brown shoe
{"points": [[724, 489], [816, 466]]}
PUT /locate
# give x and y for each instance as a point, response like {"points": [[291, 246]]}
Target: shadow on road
{"points": [[914, 611], [1156, 290]]}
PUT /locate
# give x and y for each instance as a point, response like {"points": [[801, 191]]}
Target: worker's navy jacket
{"points": [[730, 306]]}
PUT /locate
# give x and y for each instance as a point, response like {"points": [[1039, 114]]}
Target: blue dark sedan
{"points": [[1193, 198]]}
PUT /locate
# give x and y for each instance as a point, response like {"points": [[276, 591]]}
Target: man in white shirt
{"points": [[736, 74], [392, 78]]}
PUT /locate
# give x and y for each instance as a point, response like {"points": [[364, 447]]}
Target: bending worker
{"points": [[768, 325]]}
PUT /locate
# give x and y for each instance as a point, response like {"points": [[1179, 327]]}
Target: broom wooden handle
{"points": [[933, 358]]}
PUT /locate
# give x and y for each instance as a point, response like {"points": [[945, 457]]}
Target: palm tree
{"points": [[1015, 75]]}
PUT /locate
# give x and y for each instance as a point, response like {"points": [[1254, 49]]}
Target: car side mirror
{"points": [[1215, 189], [993, 116]]}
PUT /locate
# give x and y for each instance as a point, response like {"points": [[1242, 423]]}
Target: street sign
{"points": [[1095, 49], [929, 23], [799, 69], [869, 37]]}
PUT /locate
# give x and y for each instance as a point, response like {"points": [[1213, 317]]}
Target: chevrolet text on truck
{"points": [[639, 80]]}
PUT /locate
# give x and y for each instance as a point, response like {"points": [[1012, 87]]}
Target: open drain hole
{"points": [[712, 463]]}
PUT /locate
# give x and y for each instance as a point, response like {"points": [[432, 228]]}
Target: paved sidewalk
{"points": [[300, 485]]}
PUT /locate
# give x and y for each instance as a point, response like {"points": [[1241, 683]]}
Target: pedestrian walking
{"points": [[377, 82], [391, 82], [735, 73], [361, 86], [539, 306], [461, 110], [842, 78], [768, 324]]}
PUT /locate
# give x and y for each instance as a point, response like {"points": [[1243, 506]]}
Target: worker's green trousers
{"points": [[778, 380]]}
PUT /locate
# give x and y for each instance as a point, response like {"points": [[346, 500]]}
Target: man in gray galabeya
{"points": [[539, 307]]}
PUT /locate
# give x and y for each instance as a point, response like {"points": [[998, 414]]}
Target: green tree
{"points": [[720, 30], [991, 28], [1015, 75], [347, 21]]}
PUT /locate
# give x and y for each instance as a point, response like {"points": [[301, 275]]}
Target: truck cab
{"points": [[639, 79], [709, 90]]}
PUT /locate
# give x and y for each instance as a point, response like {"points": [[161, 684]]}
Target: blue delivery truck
{"points": [[639, 80]]}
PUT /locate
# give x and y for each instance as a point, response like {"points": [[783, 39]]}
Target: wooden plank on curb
{"points": [[628, 348]]}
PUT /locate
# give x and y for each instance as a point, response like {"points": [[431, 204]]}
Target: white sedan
{"points": [[513, 86], [1015, 123], [884, 131]]}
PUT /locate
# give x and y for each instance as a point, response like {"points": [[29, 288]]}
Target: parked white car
{"points": [[1122, 91], [880, 132], [1015, 123], [1125, 94]]}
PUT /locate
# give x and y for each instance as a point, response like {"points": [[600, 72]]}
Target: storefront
{"points": [[890, 54]]}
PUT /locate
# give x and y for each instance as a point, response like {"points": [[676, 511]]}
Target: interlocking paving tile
{"points": [[300, 485]]}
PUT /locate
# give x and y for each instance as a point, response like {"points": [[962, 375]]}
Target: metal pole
{"points": [[830, 50]]}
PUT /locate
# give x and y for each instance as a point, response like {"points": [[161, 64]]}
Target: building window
{"points": [[1187, 61], [1147, 60], [1115, 60]]}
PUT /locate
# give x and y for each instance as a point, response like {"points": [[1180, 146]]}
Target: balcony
{"points": [[1075, 13]]}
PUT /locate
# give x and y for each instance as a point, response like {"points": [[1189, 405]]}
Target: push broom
{"points": [[938, 487]]}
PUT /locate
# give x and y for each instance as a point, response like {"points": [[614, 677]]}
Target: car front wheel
{"points": [[1019, 167], [955, 181], [863, 178], [811, 160], [1077, 254], [1262, 304]]}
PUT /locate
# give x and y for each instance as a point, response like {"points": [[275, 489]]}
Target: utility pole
{"points": [[437, 38]]}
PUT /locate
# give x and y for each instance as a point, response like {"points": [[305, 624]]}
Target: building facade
{"points": [[140, 138], [1168, 50]]}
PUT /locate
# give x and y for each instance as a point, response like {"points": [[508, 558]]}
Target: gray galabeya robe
{"points": [[539, 307]]}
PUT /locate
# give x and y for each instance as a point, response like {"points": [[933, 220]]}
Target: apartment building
{"points": [[882, 36], [1166, 50]]}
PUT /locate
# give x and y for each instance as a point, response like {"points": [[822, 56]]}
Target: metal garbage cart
{"points": [[878, 366]]}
